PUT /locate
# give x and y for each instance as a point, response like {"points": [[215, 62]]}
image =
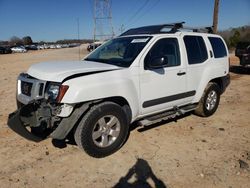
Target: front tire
{"points": [[102, 130], [209, 101]]}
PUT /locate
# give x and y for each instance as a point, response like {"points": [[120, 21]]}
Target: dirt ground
{"points": [[188, 152]]}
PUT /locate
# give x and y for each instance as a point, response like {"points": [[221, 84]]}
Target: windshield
{"points": [[120, 51]]}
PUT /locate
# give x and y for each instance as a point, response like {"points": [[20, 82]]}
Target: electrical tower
{"points": [[103, 28]]}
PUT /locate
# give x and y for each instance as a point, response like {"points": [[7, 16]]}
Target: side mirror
{"points": [[158, 62]]}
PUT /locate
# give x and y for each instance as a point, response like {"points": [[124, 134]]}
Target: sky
{"points": [[51, 20]]}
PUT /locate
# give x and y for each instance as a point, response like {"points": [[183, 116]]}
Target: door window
{"points": [[196, 49], [168, 49]]}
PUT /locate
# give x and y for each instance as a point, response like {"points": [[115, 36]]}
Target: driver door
{"points": [[163, 87]]}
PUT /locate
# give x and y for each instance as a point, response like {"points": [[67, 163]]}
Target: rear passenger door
{"points": [[197, 60]]}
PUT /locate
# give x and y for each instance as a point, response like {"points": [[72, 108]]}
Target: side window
{"points": [[218, 47], [196, 49], [167, 48]]}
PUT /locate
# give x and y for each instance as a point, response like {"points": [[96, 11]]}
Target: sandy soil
{"points": [[188, 152]]}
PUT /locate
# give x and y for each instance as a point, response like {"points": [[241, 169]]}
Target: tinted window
{"points": [[218, 47], [196, 49], [166, 48]]}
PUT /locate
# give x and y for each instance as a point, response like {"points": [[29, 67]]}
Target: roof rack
{"points": [[157, 29]]}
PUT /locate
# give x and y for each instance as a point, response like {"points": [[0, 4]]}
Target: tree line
{"points": [[233, 36]]}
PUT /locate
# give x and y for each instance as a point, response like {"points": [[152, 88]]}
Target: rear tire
{"points": [[102, 130], [209, 102]]}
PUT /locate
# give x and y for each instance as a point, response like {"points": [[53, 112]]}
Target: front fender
{"points": [[104, 85]]}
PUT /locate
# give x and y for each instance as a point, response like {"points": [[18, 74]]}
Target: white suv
{"points": [[146, 75]]}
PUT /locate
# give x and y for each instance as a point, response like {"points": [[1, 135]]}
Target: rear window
{"points": [[218, 47], [196, 49]]}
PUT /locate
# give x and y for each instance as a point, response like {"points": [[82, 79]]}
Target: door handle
{"points": [[181, 73]]}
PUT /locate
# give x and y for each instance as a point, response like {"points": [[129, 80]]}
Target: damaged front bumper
{"points": [[26, 118], [15, 123]]}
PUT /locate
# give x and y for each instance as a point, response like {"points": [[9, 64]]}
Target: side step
{"points": [[170, 114]]}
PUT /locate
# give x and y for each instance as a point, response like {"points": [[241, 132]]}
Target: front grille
{"points": [[26, 88], [29, 88]]}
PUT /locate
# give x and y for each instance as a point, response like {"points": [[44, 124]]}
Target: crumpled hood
{"points": [[57, 71]]}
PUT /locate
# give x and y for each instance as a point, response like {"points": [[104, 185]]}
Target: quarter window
{"points": [[218, 47], [196, 49]]}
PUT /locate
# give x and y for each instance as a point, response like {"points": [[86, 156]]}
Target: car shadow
{"points": [[63, 143], [139, 173], [240, 69]]}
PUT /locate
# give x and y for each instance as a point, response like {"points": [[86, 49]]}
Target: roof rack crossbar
{"points": [[156, 29]]}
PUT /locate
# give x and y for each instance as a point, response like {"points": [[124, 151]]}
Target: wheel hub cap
{"points": [[106, 131], [211, 100]]}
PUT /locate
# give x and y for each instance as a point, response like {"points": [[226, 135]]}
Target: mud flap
{"points": [[17, 126]]}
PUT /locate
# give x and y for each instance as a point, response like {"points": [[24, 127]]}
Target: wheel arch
{"points": [[69, 124], [121, 101], [222, 82]]}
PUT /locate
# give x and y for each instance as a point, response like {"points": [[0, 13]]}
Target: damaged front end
{"points": [[34, 121], [40, 113], [37, 121]]}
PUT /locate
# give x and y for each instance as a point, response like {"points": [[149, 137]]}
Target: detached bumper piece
{"points": [[15, 123]]}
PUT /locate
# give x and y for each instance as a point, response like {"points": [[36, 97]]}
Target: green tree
{"points": [[27, 40], [233, 40], [15, 41]]}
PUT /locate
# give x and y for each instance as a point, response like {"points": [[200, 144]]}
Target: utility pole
{"points": [[103, 28], [78, 37], [215, 17]]}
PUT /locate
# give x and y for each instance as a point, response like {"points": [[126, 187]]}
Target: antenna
{"points": [[103, 28]]}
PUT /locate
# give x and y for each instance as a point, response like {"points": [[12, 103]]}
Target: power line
{"points": [[144, 13], [149, 9], [137, 12]]}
